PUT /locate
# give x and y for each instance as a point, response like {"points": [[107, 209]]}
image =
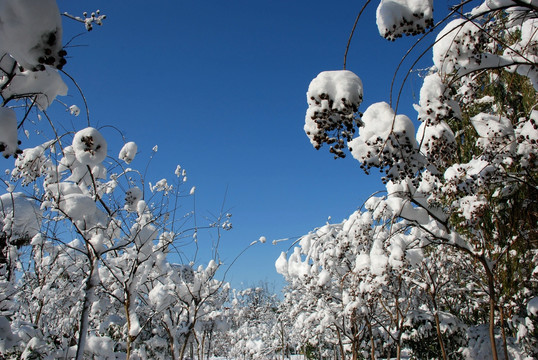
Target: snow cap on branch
{"points": [[44, 86], [90, 146], [386, 141], [128, 152], [403, 17], [31, 32], [19, 216], [333, 99]]}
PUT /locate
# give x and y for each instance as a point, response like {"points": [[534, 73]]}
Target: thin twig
{"points": [[353, 31]]}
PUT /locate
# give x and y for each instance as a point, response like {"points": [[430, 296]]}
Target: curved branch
{"points": [[353, 31]]}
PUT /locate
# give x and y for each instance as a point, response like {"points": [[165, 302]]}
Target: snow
{"points": [[89, 146], [333, 98], [79, 207], [532, 306], [8, 132], [100, 346], [498, 4], [472, 206], [74, 110], [378, 259], [46, 85], [8, 339], [324, 277], [362, 262], [31, 32], [281, 264], [385, 140], [128, 152], [493, 131], [526, 134], [395, 18], [447, 55], [19, 216], [435, 139]]}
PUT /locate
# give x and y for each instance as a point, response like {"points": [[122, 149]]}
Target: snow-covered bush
{"points": [[84, 242], [461, 198]]}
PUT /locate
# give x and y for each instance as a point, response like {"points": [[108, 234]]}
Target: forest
{"points": [[441, 263]]}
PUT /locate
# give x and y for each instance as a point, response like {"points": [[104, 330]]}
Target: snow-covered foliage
{"points": [[111, 289], [445, 262], [84, 241], [257, 326], [386, 141]]}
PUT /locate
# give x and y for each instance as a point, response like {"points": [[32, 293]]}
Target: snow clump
{"points": [[132, 197], [46, 85], [458, 47], [31, 32], [333, 99], [74, 110], [89, 146], [395, 18], [8, 132], [386, 140], [20, 218], [526, 134], [128, 152]]}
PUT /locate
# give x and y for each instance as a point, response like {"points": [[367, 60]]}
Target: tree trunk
{"points": [[503, 333], [342, 352], [184, 347], [171, 341], [491, 288], [372, 342], [85, 314], [438, 327]]}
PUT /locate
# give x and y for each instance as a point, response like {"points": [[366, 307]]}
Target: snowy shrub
{"points": [[453, 241]]}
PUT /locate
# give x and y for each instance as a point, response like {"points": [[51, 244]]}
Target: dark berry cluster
{"points": [[49, 55], [9, 152], [438, 148], [335, 124], [417, 24], [396, 155]]}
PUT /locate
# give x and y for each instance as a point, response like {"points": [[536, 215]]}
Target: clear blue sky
{"points": [[220, 87]]}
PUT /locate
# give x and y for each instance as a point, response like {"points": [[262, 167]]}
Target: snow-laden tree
{"points": [[461, 185], [84, 238], [257, 329]]}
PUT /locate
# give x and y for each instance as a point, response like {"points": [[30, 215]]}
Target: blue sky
{"points": [[220, 87]]}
